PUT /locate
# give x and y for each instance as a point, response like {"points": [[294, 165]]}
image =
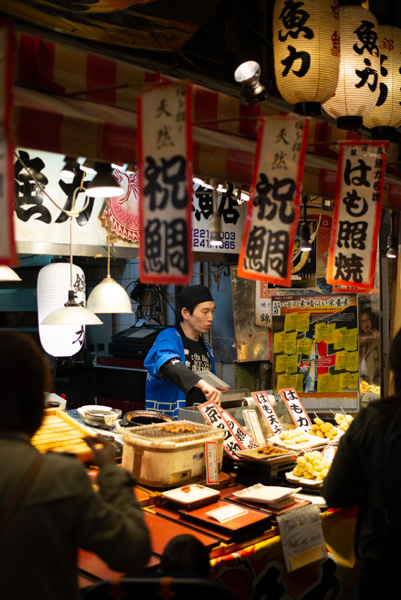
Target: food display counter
{"points": [[246, 551]]}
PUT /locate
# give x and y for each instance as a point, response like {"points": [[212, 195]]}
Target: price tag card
{"points": [[252, 422], [301, 536], [212, 467], [226, 513]]}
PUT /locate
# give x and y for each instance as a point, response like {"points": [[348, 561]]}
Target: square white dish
{"points": [[266, 494], [192, 494], [311, 483]]}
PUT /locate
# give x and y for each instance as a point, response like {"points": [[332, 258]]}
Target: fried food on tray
{"points": [[311, 466], [323, 429], [294, 436], [269, 450]]}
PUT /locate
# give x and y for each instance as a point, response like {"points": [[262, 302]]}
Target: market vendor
{"points": [[179, 351]]}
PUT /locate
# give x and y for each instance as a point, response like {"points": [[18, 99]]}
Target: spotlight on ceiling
{"points": [[247, 74]]}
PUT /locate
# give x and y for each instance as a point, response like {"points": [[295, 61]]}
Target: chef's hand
{"points": [[103, 449], [210, 392]]}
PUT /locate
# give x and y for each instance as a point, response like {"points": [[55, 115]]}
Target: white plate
{"points": [[312, 483], [267, 494], [313, 442], [191, 494]]}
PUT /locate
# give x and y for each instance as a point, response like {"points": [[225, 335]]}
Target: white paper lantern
{"points": [[387, 112], [52, 293], [358, 83], [306, 52]]}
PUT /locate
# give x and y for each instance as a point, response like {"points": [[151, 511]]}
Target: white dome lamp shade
{"points": [[52, 289], [109, 296], [8, 274]]}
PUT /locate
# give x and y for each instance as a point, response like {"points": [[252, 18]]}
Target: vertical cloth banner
{"points": [[357, 212], [273, 210], [165, 184], [7, 243]]}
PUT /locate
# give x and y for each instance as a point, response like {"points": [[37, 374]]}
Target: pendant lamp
{"points": [[306, 52], [386, 115], [8, 274], [104, 185], [72, 313], [109, 296], [357, 90]]}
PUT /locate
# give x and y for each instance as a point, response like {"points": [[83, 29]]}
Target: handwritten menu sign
{"points": [[296, 409], [264, 401], [214, 417], [273, 208], [241, 435], [165, 184], [301, 537], [357, 213]]}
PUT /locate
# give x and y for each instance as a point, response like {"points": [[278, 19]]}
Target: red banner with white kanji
{"points": [[165, 184], [273, 210], [357, 213], [7, 244]]}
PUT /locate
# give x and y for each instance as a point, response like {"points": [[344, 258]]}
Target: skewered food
{"points": [[178, 427], [312, 466], [294, 436], [343, 420], [323, 429]]}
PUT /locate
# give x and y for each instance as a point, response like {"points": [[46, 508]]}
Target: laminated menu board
{"points": [[315, 349]]}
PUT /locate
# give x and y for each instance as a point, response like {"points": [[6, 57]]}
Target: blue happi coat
{"points": [[161, 394]]}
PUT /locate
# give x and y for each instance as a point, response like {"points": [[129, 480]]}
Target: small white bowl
{"points": [[96, 415]]}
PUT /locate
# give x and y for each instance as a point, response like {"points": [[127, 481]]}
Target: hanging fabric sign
{"points": [[357, 212], [273, 209], [264, 401], [165, 184], [296, 409], [7, 244]]}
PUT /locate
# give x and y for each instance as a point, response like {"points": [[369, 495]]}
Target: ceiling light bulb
{"points": [[89, 167], [391, 247], [215, 231], [70, 165]]}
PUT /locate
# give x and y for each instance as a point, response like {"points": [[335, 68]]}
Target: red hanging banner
{"points": [[165, 184], [357, 212], [273, 209], [7, 244]]}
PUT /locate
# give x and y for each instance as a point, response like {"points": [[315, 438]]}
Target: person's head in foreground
{"points": [[185, 554], [25, 377]]}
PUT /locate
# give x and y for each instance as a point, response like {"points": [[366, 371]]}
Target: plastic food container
{"points": [[158, 456]]}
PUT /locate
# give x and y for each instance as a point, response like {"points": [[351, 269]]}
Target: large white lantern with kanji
{"points": [[386, 115], [53, 284], [306, 52], [358, 83]]}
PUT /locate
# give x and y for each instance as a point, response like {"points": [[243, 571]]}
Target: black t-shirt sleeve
{"points": [[179, 374]]}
